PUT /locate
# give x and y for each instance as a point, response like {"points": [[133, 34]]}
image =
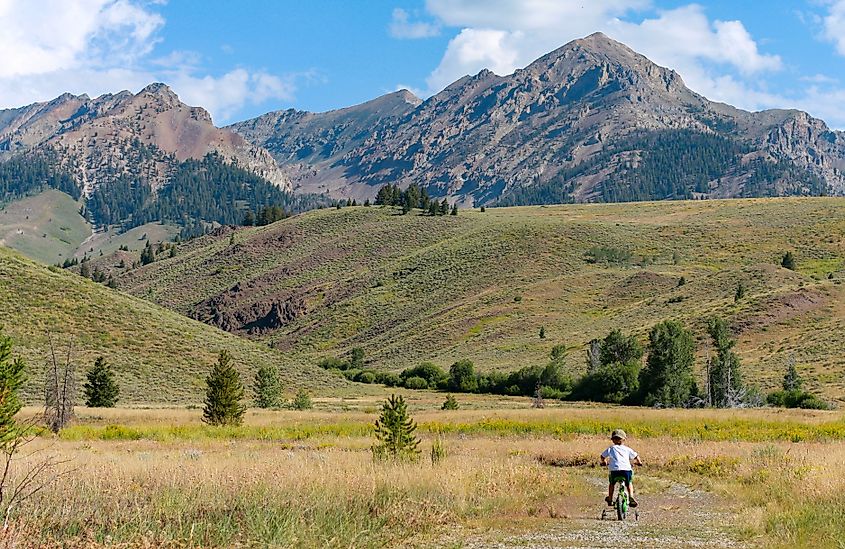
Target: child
{"points": [[618, 459]]}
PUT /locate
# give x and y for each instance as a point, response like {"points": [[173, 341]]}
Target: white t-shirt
{"points": [[619, 457]]}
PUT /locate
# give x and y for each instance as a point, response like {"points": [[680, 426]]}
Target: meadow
{"points": [[159, 477]]}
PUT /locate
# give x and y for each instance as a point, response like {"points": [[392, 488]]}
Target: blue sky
{"points": [[239, 59]]}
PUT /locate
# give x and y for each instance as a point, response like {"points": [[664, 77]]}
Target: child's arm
{"points": [[603, 460], [637, 460]]}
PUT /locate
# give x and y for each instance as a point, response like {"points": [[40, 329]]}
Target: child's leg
{"points": [[610, 490]]}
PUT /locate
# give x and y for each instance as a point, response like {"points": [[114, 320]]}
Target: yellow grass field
{"points": [[513, 476]]}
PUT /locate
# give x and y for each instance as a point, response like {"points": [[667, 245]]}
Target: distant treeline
{"points": [[32, 173], [615, 374]]}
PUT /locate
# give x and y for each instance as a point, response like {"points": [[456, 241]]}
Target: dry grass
{"points": [[243, 487]]}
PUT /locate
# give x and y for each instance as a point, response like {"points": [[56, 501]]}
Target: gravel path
{"points": [[672, 516]]}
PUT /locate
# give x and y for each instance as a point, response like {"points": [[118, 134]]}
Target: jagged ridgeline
{"points": [[209, 189]]}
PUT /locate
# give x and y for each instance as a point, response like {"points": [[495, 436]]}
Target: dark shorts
{"points": [[623, 475]]}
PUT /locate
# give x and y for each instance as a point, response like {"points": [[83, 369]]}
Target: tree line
{"points": [[412, 198], [616, 373]]}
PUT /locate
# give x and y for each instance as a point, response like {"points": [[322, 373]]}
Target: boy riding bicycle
{"points": [[618, 459]]}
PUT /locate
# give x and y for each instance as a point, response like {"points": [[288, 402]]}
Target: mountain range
{"points": [[592, 121]]}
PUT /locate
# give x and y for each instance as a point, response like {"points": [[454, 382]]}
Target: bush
{"points": [[431, 373], [613, 383], [333, 363], [388, 379], [552, 393], [415, 382], [302, 401], [606, 254], [366, 376], [796, 399]]}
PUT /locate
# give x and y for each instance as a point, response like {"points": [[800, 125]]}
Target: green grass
{"points": [[158, 355], [46, 227], [480, 285]]}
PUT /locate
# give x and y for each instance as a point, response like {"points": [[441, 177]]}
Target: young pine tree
{"points": [[788, 261], [267, 388], [791, 380], [101, 390], [11, 379], [450, 404], [395, 432], [723, 369], [667, 379], [224, 394]]}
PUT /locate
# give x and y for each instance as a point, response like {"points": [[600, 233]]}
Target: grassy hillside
{"points": [[159, 356], [481, 285], [46, 227]]}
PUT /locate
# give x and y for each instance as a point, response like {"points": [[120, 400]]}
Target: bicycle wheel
{"points": [[622, 502]]}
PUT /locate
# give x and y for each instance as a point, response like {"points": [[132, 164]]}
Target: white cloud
{"points": [[50, 47], [401, 26], [834, 25]]}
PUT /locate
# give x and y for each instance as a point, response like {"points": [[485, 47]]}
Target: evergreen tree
{"points": [[224, 393], [667, 379], [788, 261], [723, 370], [740, 292], [267, 388], [101, 390], [249, 219], [356, 359], [148, 255], [367, 203], [11, 380], [454, 209], [450, 404], [395, 432], [433, 208], [542, 332], [384, 196], [85, 268], [444, 207], [791, 380], [397, 196], [425, 200]]}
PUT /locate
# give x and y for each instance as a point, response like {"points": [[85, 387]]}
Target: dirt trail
{"points": [[671, 515]]}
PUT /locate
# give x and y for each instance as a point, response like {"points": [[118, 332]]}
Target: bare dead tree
{"points": [[538, 397], [60, 389]]}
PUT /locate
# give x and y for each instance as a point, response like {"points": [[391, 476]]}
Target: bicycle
{"points": [[621, 503]]}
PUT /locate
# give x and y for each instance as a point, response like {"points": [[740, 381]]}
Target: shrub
{"points": [[438, 450], [431, 373], [366, 376], [796, 398], [614, 383], [224, 393], [395, 432], [101, 390], [388, 379], [606, 254], [788, 261], [415, 382], [333, 363], [302, 401]]}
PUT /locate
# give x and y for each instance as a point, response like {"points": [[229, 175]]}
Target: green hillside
{"points": [[159, 356], [481, 285]]}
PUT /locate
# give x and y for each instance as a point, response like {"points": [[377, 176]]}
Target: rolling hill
{"points": [[159, 356], [480, 285], [592, 121]]}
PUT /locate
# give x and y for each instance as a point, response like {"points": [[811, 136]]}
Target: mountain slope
{"points": [[579, 124], [105, 132], [158, 356], [481, 285]]}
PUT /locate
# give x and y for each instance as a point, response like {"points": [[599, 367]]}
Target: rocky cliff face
{"points": [[116, 133], [566, 123]]}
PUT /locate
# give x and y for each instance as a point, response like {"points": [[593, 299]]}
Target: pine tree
{"points": [[101, 390], [788, 261], [367, 203], [148, 255], [267, 387], [454, 209], [395, 432], [249, 219], [450, 404], [11, 379], [444, 207], [740, 292], [667, 378], [224, 394], [791, 380], [85, 268], [723, 370], [433, 208], [542, 332]]}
